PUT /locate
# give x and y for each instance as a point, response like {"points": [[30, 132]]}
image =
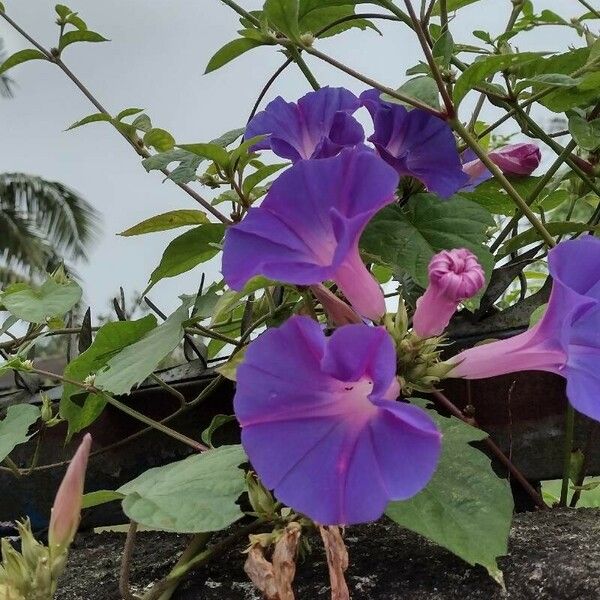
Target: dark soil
{"points": [[554, 555]]}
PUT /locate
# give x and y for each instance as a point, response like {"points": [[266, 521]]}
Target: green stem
{"points": [[416, 25], [590, 8], [497, 173], [197, 544], [218, 549], [304, 67], [568, 448], [370, 82], [534, 194], [443, 4], [127, 410], [242, 12]]}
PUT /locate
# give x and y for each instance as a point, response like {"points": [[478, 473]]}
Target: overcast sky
{"points": [[155, 60]]}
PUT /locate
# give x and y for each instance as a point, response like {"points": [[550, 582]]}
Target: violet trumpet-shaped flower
{"points": [[318, 126], [454, 276], [307, 229], [566, 341], [416, 143], [66, 511], [514, 159], [321, 426]]}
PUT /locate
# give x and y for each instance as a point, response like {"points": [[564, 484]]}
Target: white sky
{"points": [[156, 60]]}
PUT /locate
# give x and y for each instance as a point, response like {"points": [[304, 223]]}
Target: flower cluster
{"points": [[320, 416]]}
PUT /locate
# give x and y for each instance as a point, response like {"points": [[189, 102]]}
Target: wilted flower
{"points": [[514, 159], [66, 511], [321, 426], [307, 229], [454, 276], [416, 143], [565, 341], [318, 126]]}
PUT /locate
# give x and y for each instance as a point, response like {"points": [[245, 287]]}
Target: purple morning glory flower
{"points": [[416, 143], [515, 159], [307, 229], [318, 126], [321, 426], [565, 341]]}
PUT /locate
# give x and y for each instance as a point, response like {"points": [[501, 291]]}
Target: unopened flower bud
{"points": [[454, 276], [261, 499], [66, 511], [517, 159]]}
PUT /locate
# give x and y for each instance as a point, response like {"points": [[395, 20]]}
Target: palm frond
{"points": [[66, 222], [6, 83]]}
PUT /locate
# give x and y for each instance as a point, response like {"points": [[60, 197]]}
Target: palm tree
{"points": [[41, 222]]}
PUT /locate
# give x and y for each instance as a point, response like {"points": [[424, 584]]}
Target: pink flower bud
{"points": [[66, 510], [454, 276], [517, 159], [337, 310]]}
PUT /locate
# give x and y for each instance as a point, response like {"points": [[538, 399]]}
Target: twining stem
{"points": [[201, 559], [567, 450], [370, 82], [500, 177], [304, 67], [534, 194], [443, 4], [587, 5], [496, 451], [138, 147], [416, 24], [197, 544], [126, 409], [587, 451], [124, 575]]}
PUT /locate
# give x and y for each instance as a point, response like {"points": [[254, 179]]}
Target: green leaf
{"points": [[96, 117], [231, 299], [194, 495], [76, 21], [443, 49], [421, 88], [20, 57], [184, 173], [452, 5], [548, 80], [78, 407], [188, 250], [37, 305], [585, 133], [231, 51], [166, 221], [217, 421], [159, 139], [62, 11], [72, 37], [229, 368], [14, 427], [531, 235], [210, 151], [316, 15], [142, 122], [259, 175], [283, 15], [92, 499], [492, 196], [465, 508], [128, 112], [407, 237], [134, 363], [480, 70], [228, 137], [583, 95]]}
